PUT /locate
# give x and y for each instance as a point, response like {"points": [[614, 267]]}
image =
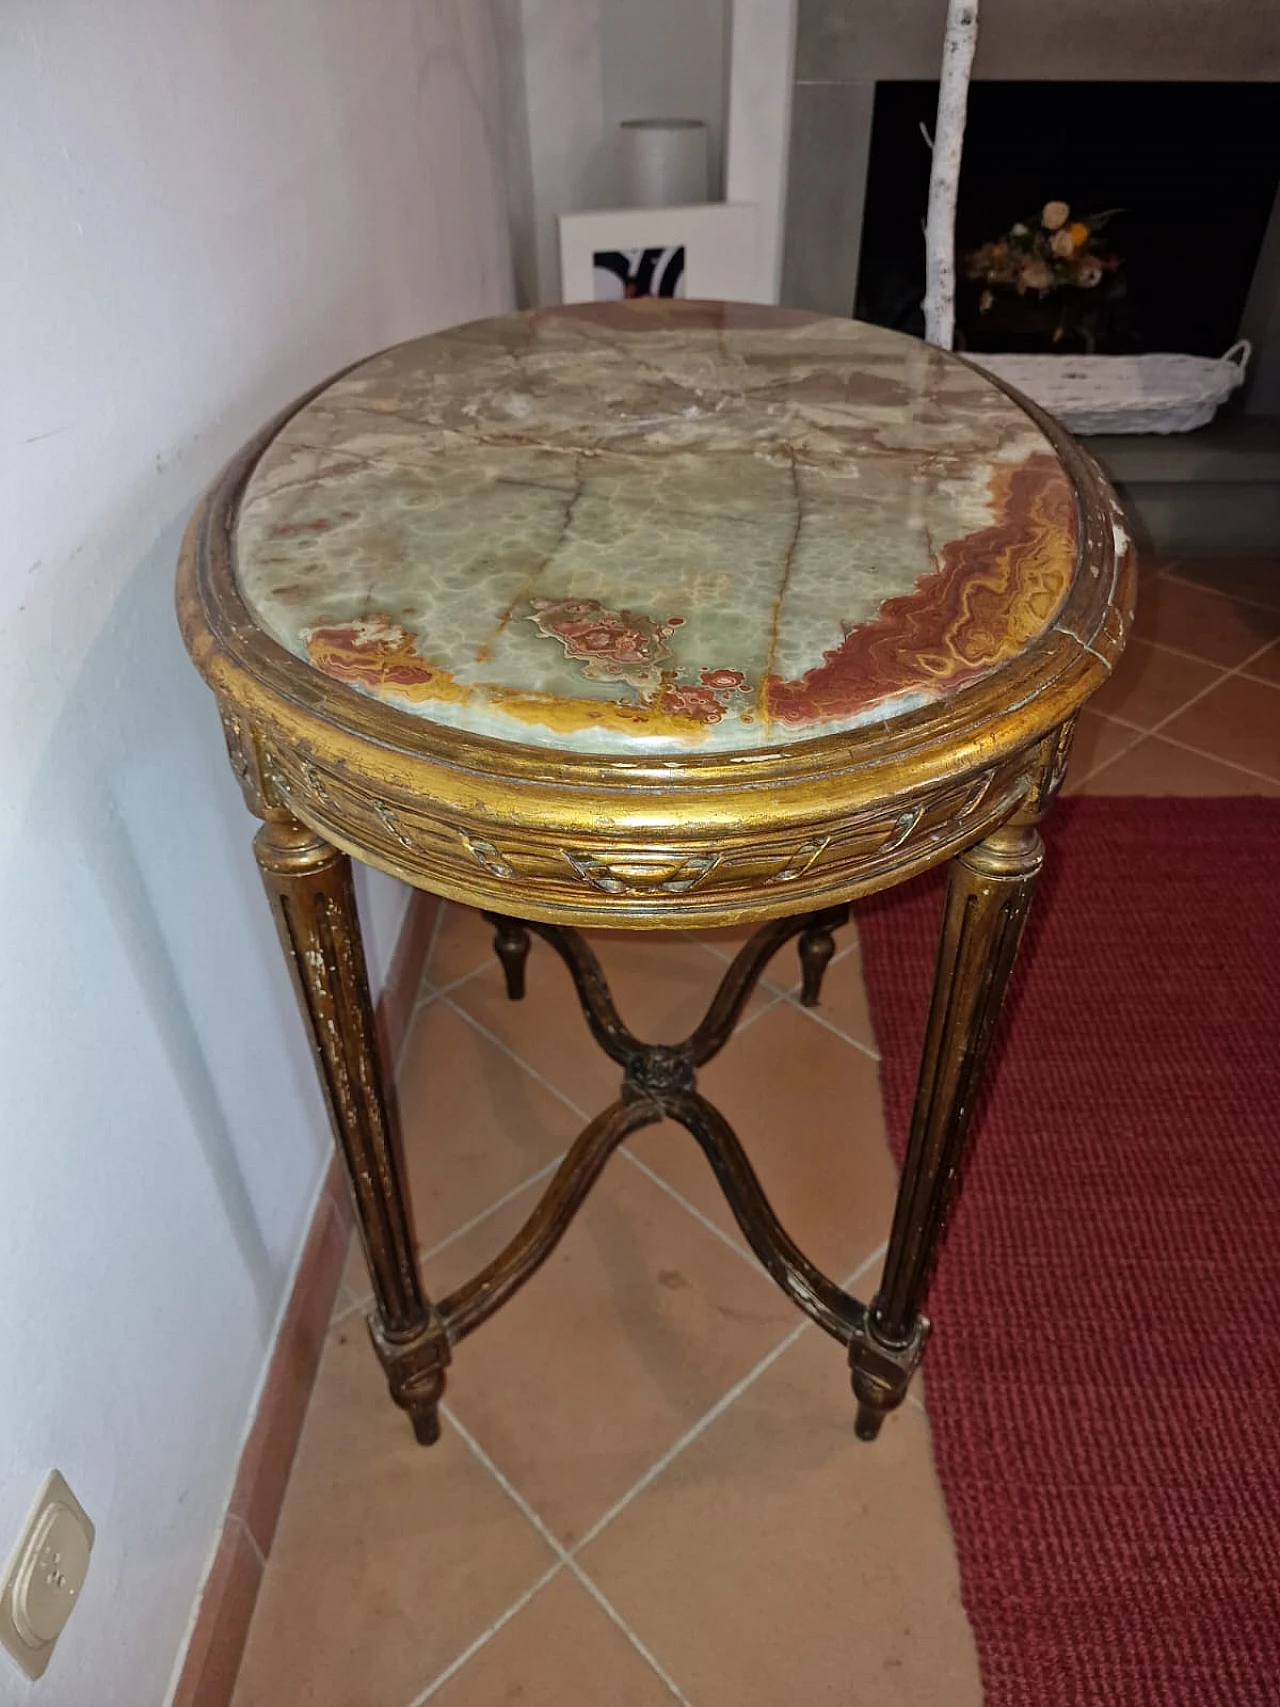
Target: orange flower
{"points": [[1079, 233]]}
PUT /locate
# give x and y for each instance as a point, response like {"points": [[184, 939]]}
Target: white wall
{"points": [[665, 59], [555, 141], [578, 68], [210, 204], [761, 62]]}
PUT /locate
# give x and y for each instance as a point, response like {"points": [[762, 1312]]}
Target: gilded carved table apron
{"points": [[659, 616]]}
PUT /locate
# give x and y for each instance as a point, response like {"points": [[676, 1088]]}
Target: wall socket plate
{"points": [[42, 1580]]}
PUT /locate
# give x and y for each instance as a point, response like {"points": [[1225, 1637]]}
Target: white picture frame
{"points": [[720, 241]]}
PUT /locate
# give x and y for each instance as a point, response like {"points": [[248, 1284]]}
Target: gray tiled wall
{"points": [[827, 176]]}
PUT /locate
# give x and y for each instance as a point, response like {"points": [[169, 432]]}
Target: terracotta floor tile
{"points": [[462, 942], [476, 1124], [726, 942], [1158, 767], [1097, 739], [1151, 563], [1266, 667], [547, 1029], [779, 1559], [783, 971], [1238, 721], [561, 1650], [348, 1297], [843, 1002], [806, 1106], [638, 1323], [389, 1558], [1150, 684], [1255, 579], [1207, 625], [355, 1278], [661, 984]]}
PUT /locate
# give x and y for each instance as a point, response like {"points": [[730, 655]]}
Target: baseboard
{"points": [[230, 1590]]}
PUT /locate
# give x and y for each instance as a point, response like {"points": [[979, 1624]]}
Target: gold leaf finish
{"points": [[582, 757], [697, 833]]}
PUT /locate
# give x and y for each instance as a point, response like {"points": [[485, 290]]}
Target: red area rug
{"points": [[1104, 1375]]}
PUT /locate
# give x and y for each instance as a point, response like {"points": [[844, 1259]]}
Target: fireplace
{"points": [[1191, 170], [1187, 143]]}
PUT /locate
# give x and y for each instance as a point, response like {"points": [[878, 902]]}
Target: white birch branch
{"points": [[944, 178]]}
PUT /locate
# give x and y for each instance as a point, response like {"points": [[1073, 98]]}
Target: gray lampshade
{"points": [[662, 162]]}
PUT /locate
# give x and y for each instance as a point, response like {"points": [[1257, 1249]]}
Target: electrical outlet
{"points": [[44, 1575]]}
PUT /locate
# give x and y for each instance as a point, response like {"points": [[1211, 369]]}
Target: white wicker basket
{"points": [[1125, 394]]}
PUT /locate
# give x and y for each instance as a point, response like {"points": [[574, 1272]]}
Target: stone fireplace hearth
{"points": [[1188, 172], [852, 223]]}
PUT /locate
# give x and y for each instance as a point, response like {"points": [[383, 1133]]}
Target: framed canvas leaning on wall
{"points": [[706, 251]]}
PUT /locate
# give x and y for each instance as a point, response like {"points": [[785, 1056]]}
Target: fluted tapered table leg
{"points": [[310, 888], [988, 894]]}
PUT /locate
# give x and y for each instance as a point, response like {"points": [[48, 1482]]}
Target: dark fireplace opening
{"points": [[1191, 168]]}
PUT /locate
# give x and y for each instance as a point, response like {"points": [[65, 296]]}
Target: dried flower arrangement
{"points": [[1043, 255]]}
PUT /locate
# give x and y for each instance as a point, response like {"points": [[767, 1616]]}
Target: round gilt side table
{"points": [[660, 616]]}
